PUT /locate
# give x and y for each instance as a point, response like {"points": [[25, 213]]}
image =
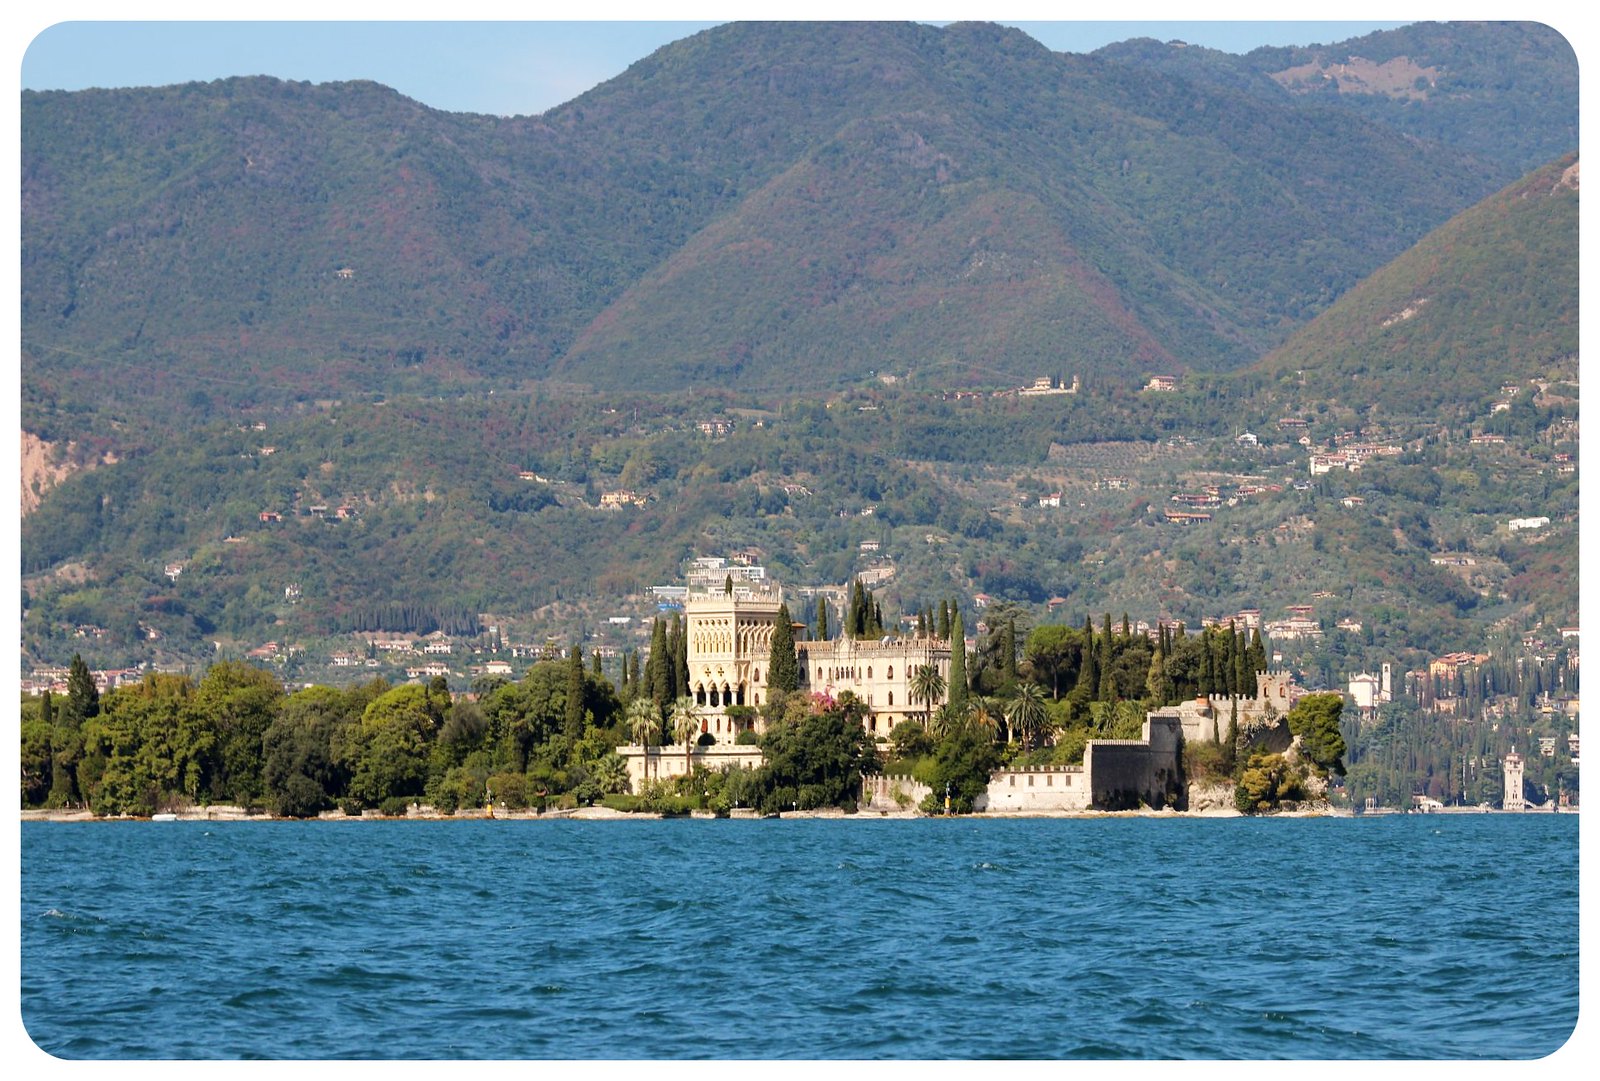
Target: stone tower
{"points": [[1512, 800]]}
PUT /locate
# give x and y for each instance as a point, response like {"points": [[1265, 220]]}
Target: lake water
{"points": [[1395, 937]]}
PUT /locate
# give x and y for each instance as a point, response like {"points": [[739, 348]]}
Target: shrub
{"points": [[301, 798], [350, 807], [395, 806], [509, 789]]}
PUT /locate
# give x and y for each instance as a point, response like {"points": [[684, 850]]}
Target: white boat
{"points": [[165, 816]]}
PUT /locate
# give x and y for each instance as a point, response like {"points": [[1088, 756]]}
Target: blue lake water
{"points": [[1392, 937]]}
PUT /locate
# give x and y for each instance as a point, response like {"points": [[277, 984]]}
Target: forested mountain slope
{"points": [[760, 204]]}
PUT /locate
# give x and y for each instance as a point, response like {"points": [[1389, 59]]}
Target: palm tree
{"points": [[1026, 712], [943, 721], [645, 723], [984, 713], [685, 721], [926, 686]]}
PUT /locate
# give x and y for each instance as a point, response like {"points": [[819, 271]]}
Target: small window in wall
{"points": [[891, 672], [891, 698], [757, 675], [1069, 780], [1049, 780], [1030, 780], [869, 671], [1013, 780]]}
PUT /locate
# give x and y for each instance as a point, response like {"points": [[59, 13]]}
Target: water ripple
{"points": [[927, 939]]}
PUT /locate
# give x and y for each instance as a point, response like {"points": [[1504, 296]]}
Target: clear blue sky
{"points": [[486, 67]]}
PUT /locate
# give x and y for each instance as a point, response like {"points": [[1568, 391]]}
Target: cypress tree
{"points": [[572, 725], [1008, 647], [1088, 669], [944, 619], [1127, 628], [655, 669], [822, 619], [633, 674], [1205, 664], [1242, 683], [958, 663], [1229, 668], [597, 668], [680, 661], [1258, 653], [783, 670]]}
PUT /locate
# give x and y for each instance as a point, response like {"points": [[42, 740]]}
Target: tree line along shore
{"points": [[547, 742]]}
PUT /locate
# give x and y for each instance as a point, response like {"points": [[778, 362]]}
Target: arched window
{"points": [[869, 671], [891, 671], [891, 698], [756, 676], [819, 675]]}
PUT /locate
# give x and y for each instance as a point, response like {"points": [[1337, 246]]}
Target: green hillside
{"points": [[1489, 298], [758, 198]]}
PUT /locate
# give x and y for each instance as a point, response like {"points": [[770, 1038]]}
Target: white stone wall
{"points": [[1039, 788]]}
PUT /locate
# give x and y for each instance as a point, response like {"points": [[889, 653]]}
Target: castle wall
{"points": [[1037, 788], [1126, 773], [878, 793]]}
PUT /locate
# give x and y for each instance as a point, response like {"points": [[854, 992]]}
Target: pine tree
{"points": [[83, 697], [958, 663], [783, 670]]}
